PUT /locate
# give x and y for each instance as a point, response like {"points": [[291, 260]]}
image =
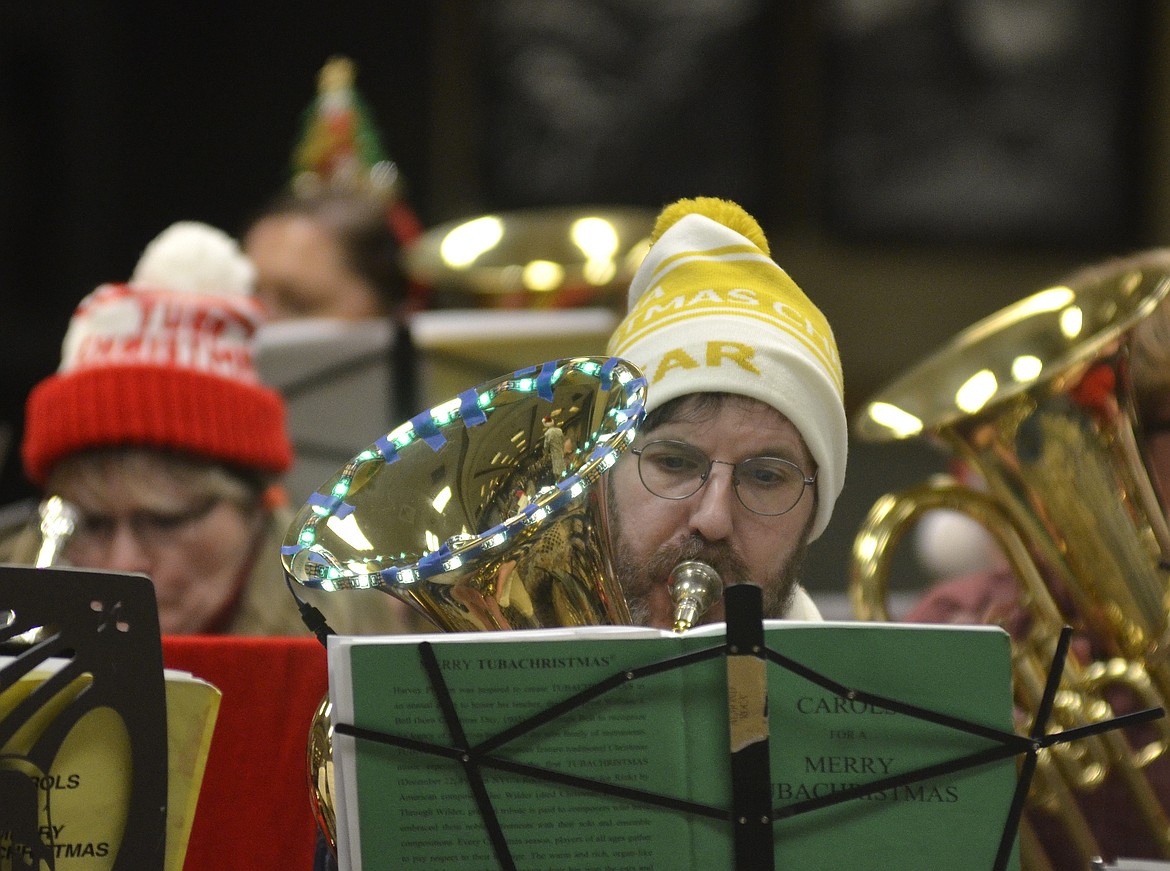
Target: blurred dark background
{"points": [[917, 165]]}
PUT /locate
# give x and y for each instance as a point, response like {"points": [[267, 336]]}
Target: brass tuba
{"points": [[479, 513], [1039, 400]]}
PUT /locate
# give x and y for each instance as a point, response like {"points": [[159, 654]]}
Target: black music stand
{"points": [[343, 384], [457, 348], [346, 383], [99, 631]]}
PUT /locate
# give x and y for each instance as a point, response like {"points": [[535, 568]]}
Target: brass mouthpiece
{"points": [[694, 587]]}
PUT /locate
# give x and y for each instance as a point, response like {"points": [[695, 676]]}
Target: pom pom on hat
{"points": [[730, 215], [195, 258], [710, 312], [163, 362]]}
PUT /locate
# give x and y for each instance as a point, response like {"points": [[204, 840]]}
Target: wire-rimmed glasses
{"points": [[764, 485]]}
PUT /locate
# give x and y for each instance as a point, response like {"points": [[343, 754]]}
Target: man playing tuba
{"points": [[742, 453]]}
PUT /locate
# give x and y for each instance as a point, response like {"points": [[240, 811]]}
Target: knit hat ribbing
{"points": [[164, 362], [709, 311]]}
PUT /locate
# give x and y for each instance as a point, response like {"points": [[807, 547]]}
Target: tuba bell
{"points": [[475, 513], [478, 514], [1039, 400]]}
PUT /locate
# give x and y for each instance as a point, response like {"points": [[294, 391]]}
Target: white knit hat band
{"points": [[735, 315]]}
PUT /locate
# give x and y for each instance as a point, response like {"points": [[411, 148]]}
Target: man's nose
{"points": [[714, 504], [125, 552]]}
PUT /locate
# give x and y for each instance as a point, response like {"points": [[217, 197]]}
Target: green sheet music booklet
{"points": [[666, 735]]}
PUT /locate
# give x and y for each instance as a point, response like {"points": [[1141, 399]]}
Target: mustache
{"points": [[719, 555]]}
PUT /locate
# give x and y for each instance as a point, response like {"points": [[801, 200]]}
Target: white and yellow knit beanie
{"points": [[709, 311]]}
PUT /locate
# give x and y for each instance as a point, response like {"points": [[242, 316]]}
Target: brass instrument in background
{"points": [[58, 522], [463, 514], [1037, 400], [557, 257]]}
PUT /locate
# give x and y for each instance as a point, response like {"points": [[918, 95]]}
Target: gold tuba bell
{"points": [[479, 513], [475, 512], [1039, 400]]}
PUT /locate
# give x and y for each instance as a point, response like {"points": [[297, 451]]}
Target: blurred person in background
{"points": [[330, 245], [328, 252], [326, 255], [157, 432]]}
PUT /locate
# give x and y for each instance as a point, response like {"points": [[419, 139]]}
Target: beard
{"points": [[639, 578]]}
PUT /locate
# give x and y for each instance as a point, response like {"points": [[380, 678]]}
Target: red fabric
{"points": [[235, 422], [254, 809]]}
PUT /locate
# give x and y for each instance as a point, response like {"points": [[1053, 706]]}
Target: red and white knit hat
{"points": [[163, 361]]}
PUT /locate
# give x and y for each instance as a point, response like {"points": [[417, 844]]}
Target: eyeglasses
{"points": [[765, 485], [151, 529]]}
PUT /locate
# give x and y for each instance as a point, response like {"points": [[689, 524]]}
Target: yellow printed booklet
{"points": [[79, 804]]}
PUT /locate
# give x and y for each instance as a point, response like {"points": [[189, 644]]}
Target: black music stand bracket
{"points": [[747, 705], [101, 627]]}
